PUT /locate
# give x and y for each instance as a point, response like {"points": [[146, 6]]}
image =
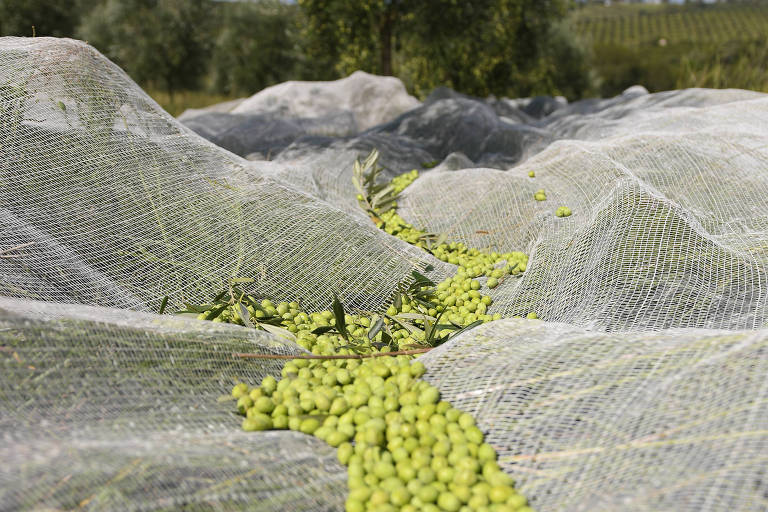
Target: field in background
{"points": [[639, 24], [676, 46]]}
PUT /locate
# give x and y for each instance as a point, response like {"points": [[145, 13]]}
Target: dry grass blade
{"points": [[4, 252]]}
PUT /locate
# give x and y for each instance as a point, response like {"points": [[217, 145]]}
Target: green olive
{"points": [[244, 403], [447, 501], [239, 390], [309, 425], [257, 422]]}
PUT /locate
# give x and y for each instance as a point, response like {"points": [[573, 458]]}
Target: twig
{"points": [[4, 252], [343, 356]]}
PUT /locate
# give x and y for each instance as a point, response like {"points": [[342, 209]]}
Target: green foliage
{"points": [[56, 19], [565, 66], [739, 64], [374, 197], [620, 67], [163, 44], [502, 47], [256, 47]]}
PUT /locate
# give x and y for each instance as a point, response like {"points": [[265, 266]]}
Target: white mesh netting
{"points": [[619, 400]]}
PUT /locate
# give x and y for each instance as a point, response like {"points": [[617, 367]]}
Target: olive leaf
{"points": [[191, 308], [278, 331], [216, 311], [375, 328], [339, 315], [163, 304], [398, 302], [220, 296], [467, 328], [377, 197], [245, 315], [415, 316]]}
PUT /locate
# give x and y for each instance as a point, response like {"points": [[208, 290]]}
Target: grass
{"points": [[180, 101]]}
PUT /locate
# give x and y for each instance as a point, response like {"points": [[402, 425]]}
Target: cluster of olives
{"points": [[563, 211], [476, 263], [291, 317], [405, 449], [540, 195], [472, 262], [395, 225], [401, 182], [457, 299]]}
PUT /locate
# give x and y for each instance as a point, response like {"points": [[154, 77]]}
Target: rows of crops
{"points": [[641, 24]]}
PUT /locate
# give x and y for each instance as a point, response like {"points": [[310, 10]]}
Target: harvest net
{"points": [[619, 400]]}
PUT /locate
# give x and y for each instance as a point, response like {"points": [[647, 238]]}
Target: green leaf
{"points": [[323, 329], [375, 328], [338, 313], [380, 195], [357, 348], [220, 296], [398, 302], [271, 320], [422, 279], [429, 331], [245, 315], [278, 331], [195, 309], [405, 325], [467, 328], [359, 188], [215, 312], [370, 160], [250, 299], [424, 303], [415, 316], [162, 305]]}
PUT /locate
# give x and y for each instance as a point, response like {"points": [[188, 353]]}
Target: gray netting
{"points": [[620, 400]]}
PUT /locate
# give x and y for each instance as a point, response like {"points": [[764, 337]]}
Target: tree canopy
{"points": [[501, 47], [163, 43], [480, 47]]}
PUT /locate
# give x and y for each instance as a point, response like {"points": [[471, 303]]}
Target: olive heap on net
{"points": [[405, 449]]}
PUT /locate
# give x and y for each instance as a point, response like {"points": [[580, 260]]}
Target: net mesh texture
{"points": [[644, 388]]}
